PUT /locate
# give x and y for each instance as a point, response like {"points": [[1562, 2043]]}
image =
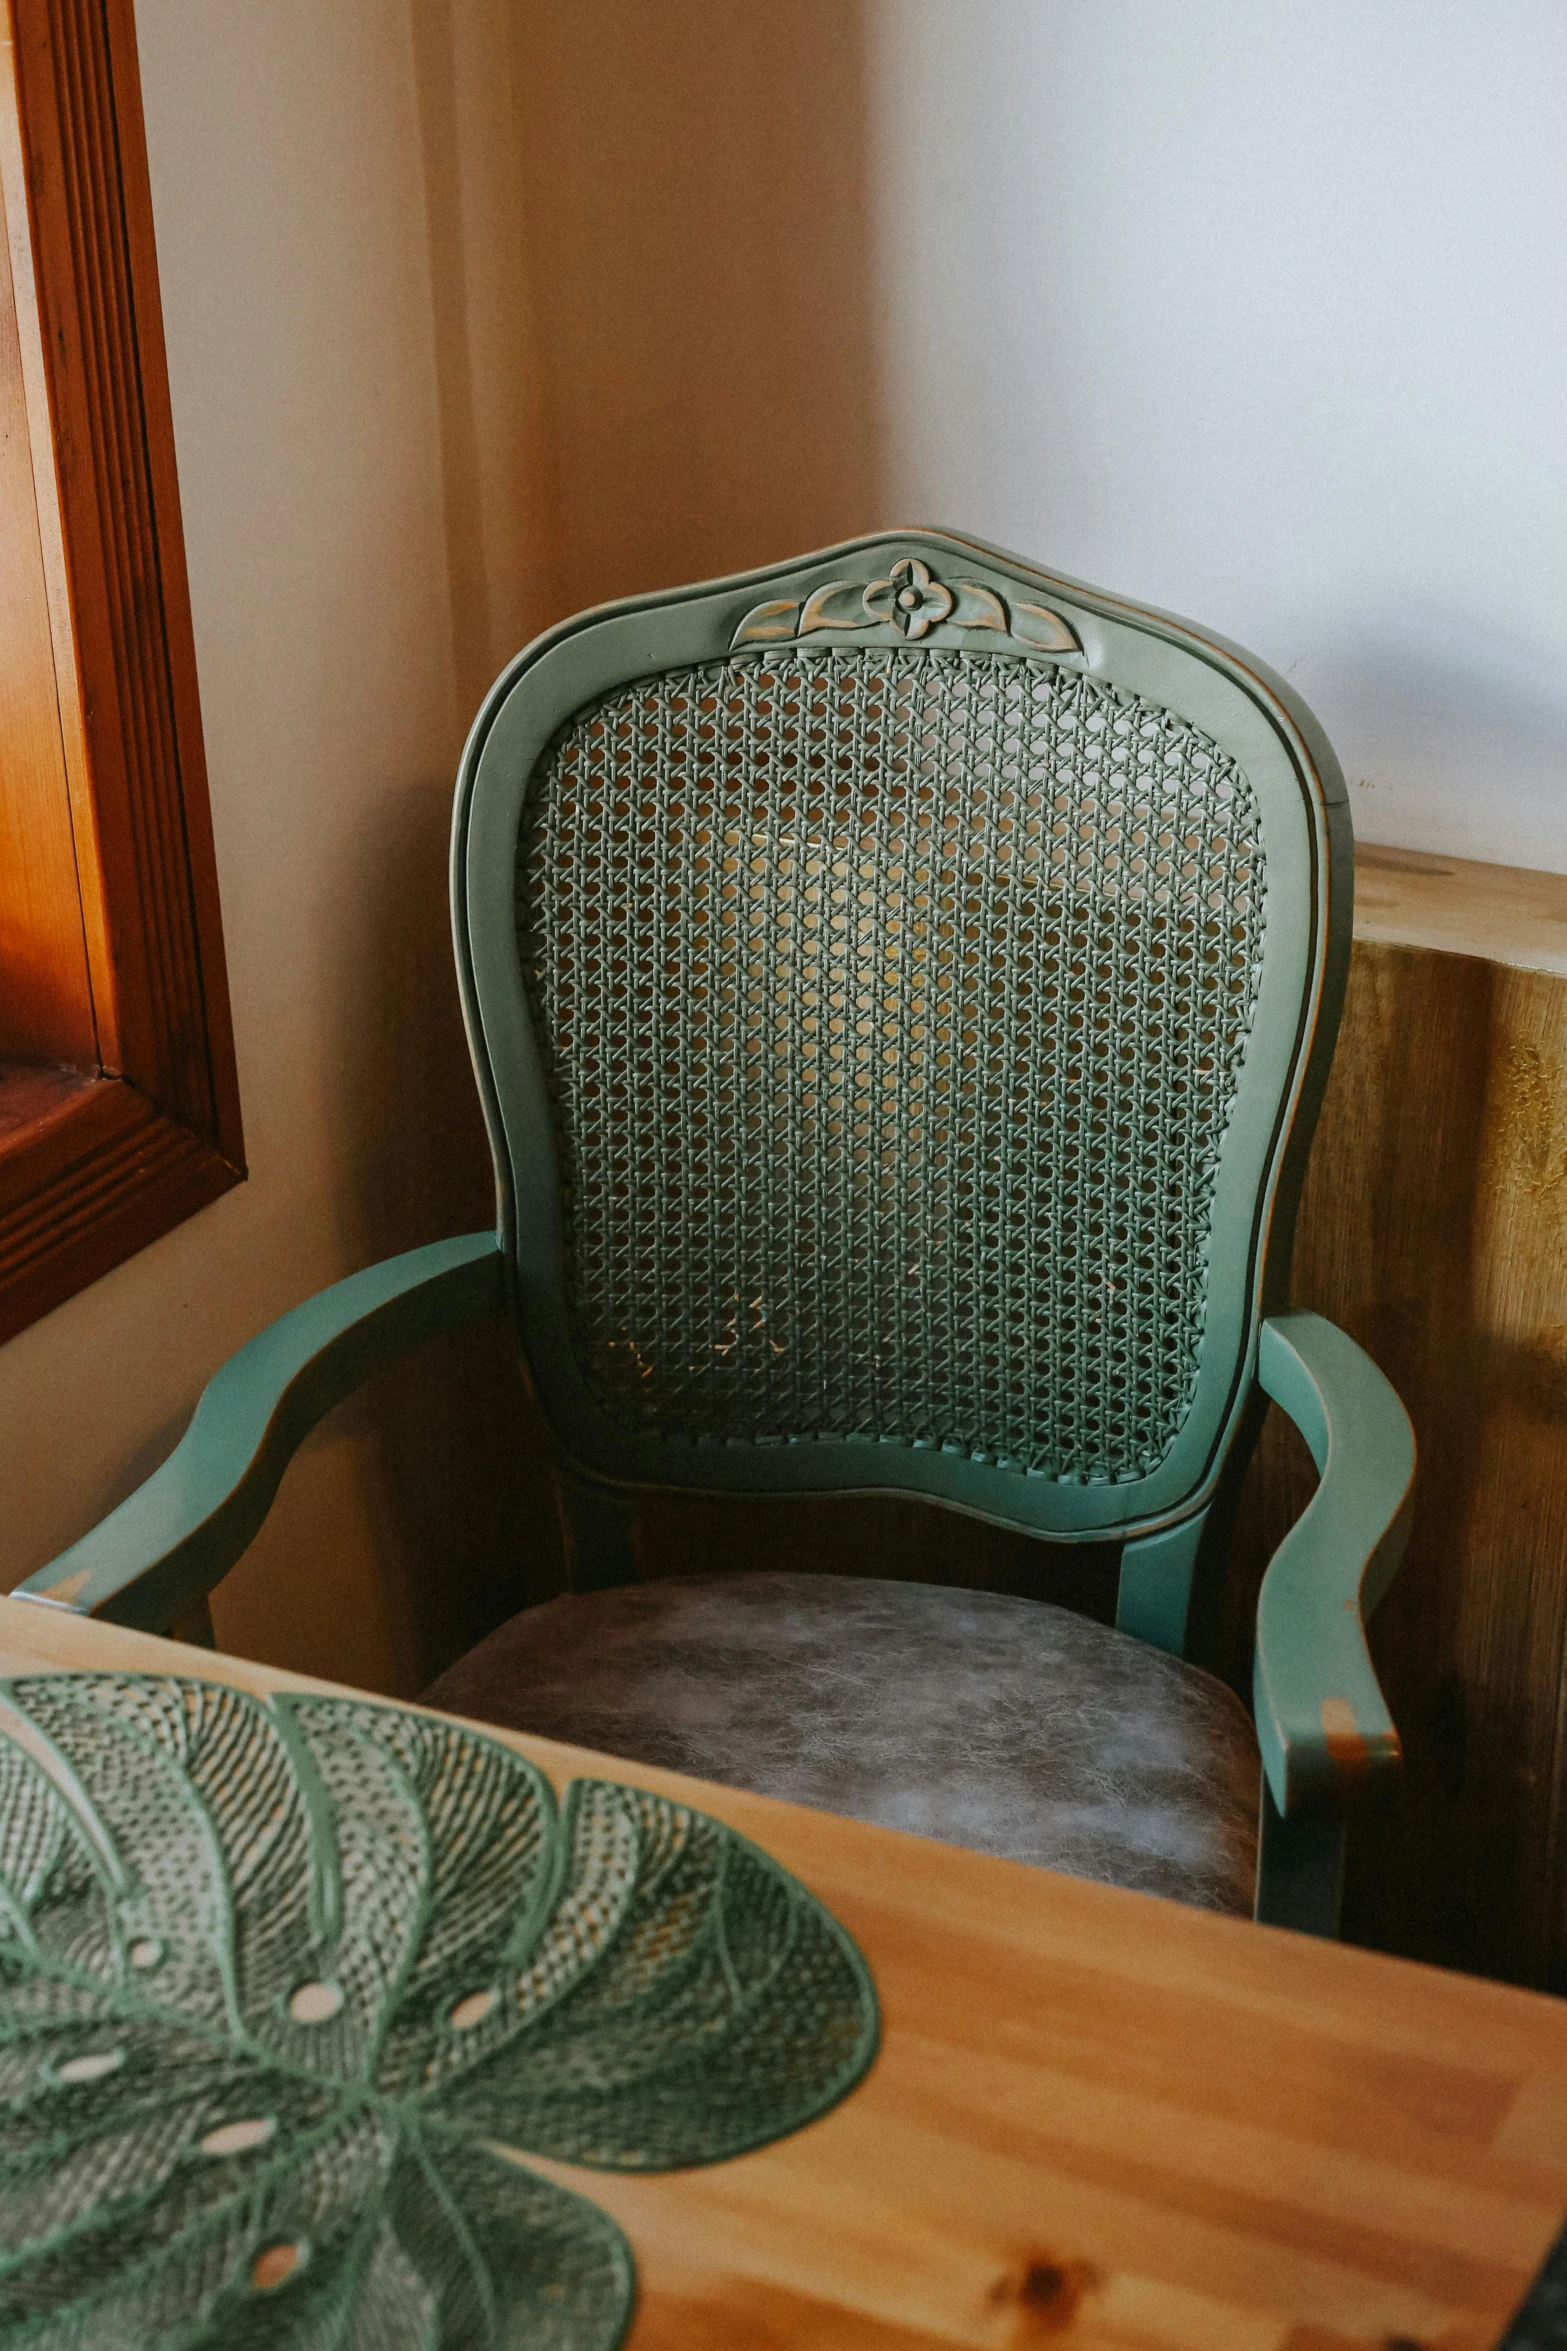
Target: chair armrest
{"points": [[1322, 1722], [180, 1533]]}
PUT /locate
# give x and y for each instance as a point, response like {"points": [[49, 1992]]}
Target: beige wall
{"points": [[477, 310], [296, 281], [698, 192], [650, 222]]}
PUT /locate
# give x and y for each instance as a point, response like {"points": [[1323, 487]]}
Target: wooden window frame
{"points": [[119, 1116]]}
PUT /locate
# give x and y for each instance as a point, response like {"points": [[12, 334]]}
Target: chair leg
{"points": [[1155, 1595], [1300, 1871], [195, 1625], [600, 1534]]}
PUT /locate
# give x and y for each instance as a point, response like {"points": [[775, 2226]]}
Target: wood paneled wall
{"points": [[1434, 1228]]}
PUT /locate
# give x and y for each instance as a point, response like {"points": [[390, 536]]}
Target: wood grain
{"points": [[32, 1100], [45, 987], [1504, 913], [93, 1181], [1095, 2117], [1434, 1228], [122, 696]]}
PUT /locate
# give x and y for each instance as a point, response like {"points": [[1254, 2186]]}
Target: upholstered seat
{"points": [[1006, 1725]]}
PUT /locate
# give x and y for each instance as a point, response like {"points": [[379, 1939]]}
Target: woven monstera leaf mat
{"points": [[282, 1982]]}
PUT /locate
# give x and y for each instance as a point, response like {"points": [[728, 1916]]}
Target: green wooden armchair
{"points": [[901, 985]]}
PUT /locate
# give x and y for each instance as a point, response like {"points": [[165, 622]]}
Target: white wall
{"points": [[1257, 310]]}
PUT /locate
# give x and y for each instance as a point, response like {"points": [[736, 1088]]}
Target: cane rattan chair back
{"points": [[897, 979]]}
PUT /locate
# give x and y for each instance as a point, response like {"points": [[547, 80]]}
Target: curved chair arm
{"points": [[1322, 1722], [180, 1533]]}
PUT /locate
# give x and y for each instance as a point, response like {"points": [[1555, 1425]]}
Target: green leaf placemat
{"points": [[277, 1979]]}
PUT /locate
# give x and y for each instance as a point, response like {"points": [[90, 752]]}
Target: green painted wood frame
{"points": [[1325, 1733], [1310, 884]]}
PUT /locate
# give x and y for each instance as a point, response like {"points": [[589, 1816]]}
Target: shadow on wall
{"points": [[1449, 694], [460, 1499], [650, 236], [698, 182]]}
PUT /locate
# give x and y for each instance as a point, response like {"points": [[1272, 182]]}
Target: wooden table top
{"points": [[1095, 2117]]}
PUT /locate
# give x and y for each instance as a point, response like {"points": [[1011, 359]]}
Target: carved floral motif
{"points": [[909, 598], [913, 601]]}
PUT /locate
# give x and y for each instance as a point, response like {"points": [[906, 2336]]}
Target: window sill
{"points": [[90, 1172]]}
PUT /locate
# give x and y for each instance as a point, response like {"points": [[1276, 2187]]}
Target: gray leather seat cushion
{"points": [[1010, 1726]]}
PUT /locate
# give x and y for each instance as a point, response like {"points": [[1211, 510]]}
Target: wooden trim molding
{"points": [[1506, 913], [111, 1163]]}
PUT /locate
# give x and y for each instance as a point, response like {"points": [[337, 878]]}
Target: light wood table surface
{"points": [[1096, 2118]]}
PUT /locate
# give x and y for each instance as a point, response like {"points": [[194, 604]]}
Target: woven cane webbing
{"points": [[276, 1978], [893, 1006]]}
